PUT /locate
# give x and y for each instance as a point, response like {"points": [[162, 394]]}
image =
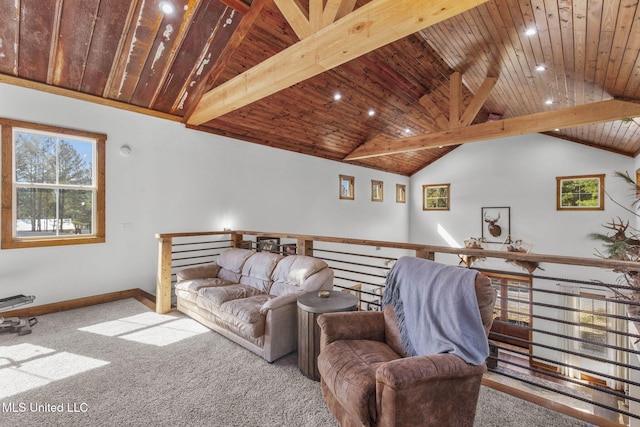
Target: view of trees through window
{"points": [[54, 179], [580, 192]]}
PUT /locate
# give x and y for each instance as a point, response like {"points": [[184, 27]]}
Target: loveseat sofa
{"points": [[250, 297]]}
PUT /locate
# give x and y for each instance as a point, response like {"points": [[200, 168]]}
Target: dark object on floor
{"points": [[19, 325]]}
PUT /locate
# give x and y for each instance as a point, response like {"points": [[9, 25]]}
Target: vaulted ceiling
{"points": [[456, 71]]}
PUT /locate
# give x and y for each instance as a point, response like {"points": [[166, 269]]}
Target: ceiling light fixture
{"points": [[407, 130], [166, 7], [549, 101], [540, 68], [337, 96], [372, 112], [530, 32]]}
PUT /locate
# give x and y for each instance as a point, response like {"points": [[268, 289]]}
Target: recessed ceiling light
{"points": [[166, 7], [540, 68], [407, 130], [337, 96], [371, 112], [530, 32], [549, 101], [557, 129]]}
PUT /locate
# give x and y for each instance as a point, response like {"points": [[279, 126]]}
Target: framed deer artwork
{"points": [[496, 224]]}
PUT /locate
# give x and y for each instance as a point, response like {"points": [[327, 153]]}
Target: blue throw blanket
{"points": [[437, 309]]}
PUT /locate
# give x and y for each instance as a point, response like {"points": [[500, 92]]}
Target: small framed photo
{"points": [[496, 224], [268, 244], [401, 193], [436, 197], [289, 249], [376, 191], [346, 187]]}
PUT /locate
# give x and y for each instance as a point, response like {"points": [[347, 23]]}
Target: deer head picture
{"points": [[496, 224], [494, 229]]}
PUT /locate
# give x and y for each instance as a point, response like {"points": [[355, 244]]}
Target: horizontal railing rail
{"points": [[568, 330]]}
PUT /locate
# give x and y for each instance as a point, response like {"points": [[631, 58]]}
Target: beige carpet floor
{"points": [[120, 364]]}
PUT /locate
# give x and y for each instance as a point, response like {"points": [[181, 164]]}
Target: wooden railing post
{"points": [[425, 254], [236, 239], [305, 247], [163, 281]]}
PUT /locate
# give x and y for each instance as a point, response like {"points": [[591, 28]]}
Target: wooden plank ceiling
{"points": [[126, 53]]}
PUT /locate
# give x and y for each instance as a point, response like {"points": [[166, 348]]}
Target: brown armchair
{"points": [[367, 380]]}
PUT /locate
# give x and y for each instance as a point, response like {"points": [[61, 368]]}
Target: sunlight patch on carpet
{"points": [[27, 366], [149, 328]]}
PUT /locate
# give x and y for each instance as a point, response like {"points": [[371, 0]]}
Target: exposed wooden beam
{"points": [[315, 15], [336, 9], [582, 115], [456, 103], [455, 100], [296, 16], [434, 112], [369, 27], [478, 101]]}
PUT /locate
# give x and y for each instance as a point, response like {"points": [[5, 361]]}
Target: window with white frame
{"points": [[592, 315], [52, 185]]}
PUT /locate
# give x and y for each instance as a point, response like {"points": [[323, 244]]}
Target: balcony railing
{"points": [[562, 331]]}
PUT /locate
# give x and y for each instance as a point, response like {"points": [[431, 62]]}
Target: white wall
{"points": [[178, 180], [520, 173]]}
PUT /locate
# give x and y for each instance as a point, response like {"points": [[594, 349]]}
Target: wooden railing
{"points": [[560, 352]]}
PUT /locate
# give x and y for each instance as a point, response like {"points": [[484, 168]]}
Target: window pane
{"points": [[580, 192], [518, 295], [75, 162], [46, 159], [35, 158], [49, 212], [57, 195], [593, 325]]}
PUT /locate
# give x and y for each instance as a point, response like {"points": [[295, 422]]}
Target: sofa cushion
{"points": [[348, 368], [257, 270], [292, 271], [212, 298], [244, 315], [231, 262], [189, 288]]}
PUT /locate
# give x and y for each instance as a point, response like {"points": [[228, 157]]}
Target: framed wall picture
{"points": [[346, 187], [496, 224], [435, 197], [377, 191], [289, 249], [268, 244], [401, 193]]}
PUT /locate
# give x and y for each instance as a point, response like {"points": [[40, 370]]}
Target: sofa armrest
{"points": [[415, 371], [277, 302], [351, 325], [203, 271]]}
